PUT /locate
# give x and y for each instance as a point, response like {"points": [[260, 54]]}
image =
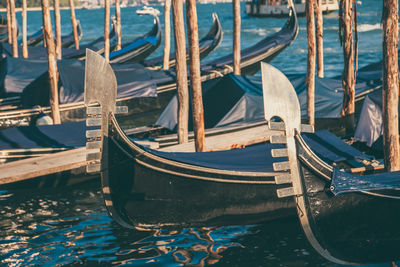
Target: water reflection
{"points": [[193, 246], [69, 227]]}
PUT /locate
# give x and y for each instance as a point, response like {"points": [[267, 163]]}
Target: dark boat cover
{"points": [[133, 81], [237, 99], [258, 158], [150, 39], [66, 135], [331, 148], [17, 73], [346, 182], [252, 159]]}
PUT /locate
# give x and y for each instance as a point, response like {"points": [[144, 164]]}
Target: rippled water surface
{"points": [[70, 225]]}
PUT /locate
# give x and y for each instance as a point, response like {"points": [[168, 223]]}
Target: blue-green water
{"points": [[70, 226]]}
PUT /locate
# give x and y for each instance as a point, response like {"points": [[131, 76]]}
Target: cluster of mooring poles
{"points": [[349, 41], [54, 51], [194, 65]]}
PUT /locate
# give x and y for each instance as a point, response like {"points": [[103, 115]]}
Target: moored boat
{"points": [[279, 8], [161, 82], [147, 187], [349, 218]]}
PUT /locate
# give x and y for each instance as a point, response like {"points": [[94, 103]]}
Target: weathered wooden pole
{"points": [[107, 30], [9, 30], [24, 30], [320, 39], [236, 36], [310, 79], [195, 82], [390, 93], [52, 62], [118, 25], [181, 70], [14, 31], [167, 33], [57, 22], [346, 20], [73, 20]]}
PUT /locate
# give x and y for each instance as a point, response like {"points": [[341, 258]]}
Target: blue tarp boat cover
{"points": [[252, 159], [237, 99], [346, 182], [134, 80], [66, 135]]}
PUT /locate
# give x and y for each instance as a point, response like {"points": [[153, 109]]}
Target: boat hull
{"points": [[354, 227], [144, 190]]}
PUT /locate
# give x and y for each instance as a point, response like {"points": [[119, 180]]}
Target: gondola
{"points": [[147, 187], [40, 53], [206, 45], [68, 40], [159, 83], [349, 218], [37, 38], [140, 48], [4, 30]]}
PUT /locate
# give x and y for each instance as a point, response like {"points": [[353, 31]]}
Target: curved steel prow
{"points": [[100, 82], [100, 100], [280, 100]]}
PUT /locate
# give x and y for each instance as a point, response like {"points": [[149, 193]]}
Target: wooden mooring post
{"points": [[57, 22], [320, 38], [107, 30], [118, 24], [14, 30], [8, 21], [73, 20], [181, 70], [236, 36], [24, 30], [348, 23], [310, 79], [390, 92], [167, 33], [52, 62], [195, 82]]}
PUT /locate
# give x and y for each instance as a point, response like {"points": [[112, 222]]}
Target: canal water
{"points": [[70, 226]]}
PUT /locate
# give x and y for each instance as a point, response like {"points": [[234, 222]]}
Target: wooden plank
{"points": [[40, 166], [227, 141]]}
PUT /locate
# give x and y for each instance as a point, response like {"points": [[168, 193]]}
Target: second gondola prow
{"points": [[347, 218]]}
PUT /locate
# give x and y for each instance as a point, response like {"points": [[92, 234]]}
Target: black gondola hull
{"points": [[143, 190], [355, 227]]}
